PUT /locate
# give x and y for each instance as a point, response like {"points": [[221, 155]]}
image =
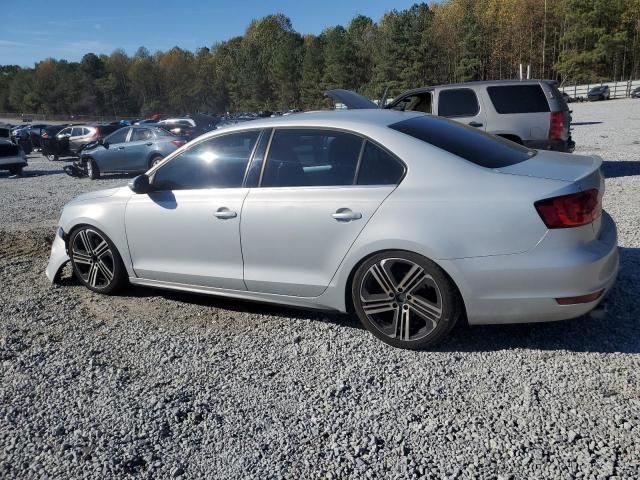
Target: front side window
{"points": [[218, 162], [419, 102], [119, 136], [65, 131], [308, 157], [459, 102]]}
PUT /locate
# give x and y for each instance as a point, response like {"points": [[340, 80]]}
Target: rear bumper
{"points": [[567, 146], [523, 288]]}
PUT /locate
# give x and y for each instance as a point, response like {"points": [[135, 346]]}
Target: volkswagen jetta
{"points": [[411, 221]]}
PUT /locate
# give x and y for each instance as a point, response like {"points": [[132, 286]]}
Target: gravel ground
{"points": [[165, 385]]}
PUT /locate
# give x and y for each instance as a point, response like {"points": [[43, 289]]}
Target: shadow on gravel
{"points": [[621, 168], [617, 331]]}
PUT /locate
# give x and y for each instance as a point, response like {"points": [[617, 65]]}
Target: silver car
{"points": [[129, 150], [409, 220]]}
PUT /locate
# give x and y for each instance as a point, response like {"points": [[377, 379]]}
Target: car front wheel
{"points": [[405, 300], [96, 262], [93, 172]]}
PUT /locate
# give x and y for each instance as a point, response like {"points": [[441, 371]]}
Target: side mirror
{"points": [[104, 143], [140, 184]]}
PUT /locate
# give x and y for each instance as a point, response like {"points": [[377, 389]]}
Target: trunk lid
{"points": [[559, 166]]}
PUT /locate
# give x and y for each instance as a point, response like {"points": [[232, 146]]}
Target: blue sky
{"points": [[67, 29]]}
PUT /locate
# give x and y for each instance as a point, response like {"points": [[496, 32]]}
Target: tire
{"points": [[395, 286], [15, 171], [155, 160], [95, 260], [93, 172]]}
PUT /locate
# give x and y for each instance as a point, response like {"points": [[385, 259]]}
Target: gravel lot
{"points": [[162, 385]]}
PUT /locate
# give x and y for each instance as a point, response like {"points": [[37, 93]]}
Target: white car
{"points": [[409, 220]]}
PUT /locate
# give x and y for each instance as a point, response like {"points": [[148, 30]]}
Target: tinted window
{"points": [[140, 134], [466, 142], [420, 102], [518, 99], [306, 157], [377, 167], [77, 132], [219, 162], [65, 131], [461, 102], [119, 136]]}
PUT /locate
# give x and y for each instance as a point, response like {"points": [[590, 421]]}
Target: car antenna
{"points": [[383, 100]]}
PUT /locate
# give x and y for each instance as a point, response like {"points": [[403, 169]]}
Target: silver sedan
{"points": [[410, 221]]}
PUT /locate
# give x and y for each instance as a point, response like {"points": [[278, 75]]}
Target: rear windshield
{"points": [[518, 99], [466, 142]]}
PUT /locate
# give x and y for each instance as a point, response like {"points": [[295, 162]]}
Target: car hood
{"points": [[352, 100], [97, 194], [556, 166]]}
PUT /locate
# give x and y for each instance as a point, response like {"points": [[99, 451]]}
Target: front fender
{"points": [[104, 213]]}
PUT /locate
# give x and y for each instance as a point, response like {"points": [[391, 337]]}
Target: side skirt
{"points": [[312, 303]]}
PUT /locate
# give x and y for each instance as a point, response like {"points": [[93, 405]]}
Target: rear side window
{"points": [[466, 142], [377, 167], [311, 158], [518, 99], [141, 134], [459, 102]]}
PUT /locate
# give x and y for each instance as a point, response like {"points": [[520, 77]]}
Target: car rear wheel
{"points": [[95, 260], [405, 300], [155, 160], [93, 172], [15, 170]]}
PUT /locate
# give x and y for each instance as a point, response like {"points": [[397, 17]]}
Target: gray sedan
{"points": [[408, 220], [129, 150]]}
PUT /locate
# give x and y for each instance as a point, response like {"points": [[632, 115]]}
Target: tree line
{"points": [[274, 67]]}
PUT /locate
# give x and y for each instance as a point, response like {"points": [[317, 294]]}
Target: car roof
{"points": [[477, 83], [338, 119]]}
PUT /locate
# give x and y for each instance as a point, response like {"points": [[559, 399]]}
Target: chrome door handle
{"points": [[148, 144], [224, 213], [345, 214], [120, 148], [475, 124]]}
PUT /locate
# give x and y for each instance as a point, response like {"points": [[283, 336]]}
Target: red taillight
{"points": [[556, 126], [95, 134], [571, 210], [178, 143]]}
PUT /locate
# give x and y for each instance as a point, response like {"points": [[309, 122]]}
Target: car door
{"points": [[311, 205], [187, 230], [77, 135], [461, 105], [62, 138], [114, 157], [137, 149]]}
